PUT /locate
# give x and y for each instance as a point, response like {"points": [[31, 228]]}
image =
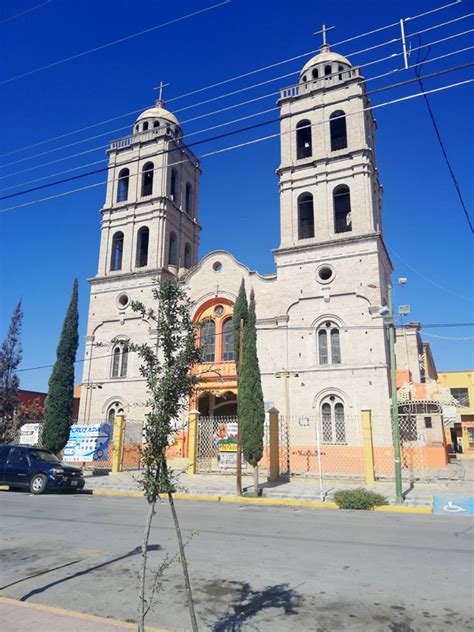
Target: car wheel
{"points": [[38, 484]]}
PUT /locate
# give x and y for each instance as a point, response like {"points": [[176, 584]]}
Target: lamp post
{"points": [[390, 321], [387, 313]]}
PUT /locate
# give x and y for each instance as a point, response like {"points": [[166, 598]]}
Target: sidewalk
{"points": [[295, 489], [17, 615]]}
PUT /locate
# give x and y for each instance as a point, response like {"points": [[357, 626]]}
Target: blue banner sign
{"points": [[88, 443]]}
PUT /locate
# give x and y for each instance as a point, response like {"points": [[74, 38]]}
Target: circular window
{"points": [[325, 274], [217, 266], [219, 310], [123, 300]]}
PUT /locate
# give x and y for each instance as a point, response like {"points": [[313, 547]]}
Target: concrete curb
{"points": [[73, 614], [284, 502]]}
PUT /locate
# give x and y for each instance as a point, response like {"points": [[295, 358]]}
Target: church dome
{"points": [[326, 56], [158, 112]]}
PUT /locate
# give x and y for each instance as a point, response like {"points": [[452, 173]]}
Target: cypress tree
{"points": [[10, 358], [240, 313], [59, 401], [250, 396]]}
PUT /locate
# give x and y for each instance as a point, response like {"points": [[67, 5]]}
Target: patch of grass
{"points": [[359, 498]]}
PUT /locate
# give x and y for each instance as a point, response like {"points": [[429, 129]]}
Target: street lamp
{"points": [[387, 314]]}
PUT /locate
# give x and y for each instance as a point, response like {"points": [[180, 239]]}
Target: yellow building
{"points": [[460, 431]]}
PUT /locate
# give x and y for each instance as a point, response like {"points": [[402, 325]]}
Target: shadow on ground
{"points": [[248, 603]]}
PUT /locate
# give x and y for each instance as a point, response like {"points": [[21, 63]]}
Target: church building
{"points": [[322, 344]]}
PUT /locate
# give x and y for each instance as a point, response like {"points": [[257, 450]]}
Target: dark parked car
{"points": [[37, 469]]}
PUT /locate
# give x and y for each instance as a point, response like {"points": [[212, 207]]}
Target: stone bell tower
{"points": [[149, 229], [329, 185]]}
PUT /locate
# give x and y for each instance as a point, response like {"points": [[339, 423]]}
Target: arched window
{"points": [[329, 344], [187, 256], [304, 145], [174, 185], [117, 251], [342, 209], [156, 123], [327, 70], [333, 423], [227, 341], [147, 179], [120, 360], [189, 199], [145, 127], [304, 78], [208, 340], [315, 73], [123, 181], [338, 130], [143, 238], [305, 216], [173, 250]]}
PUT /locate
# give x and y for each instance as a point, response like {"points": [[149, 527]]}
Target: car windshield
{"points": [[44, 455]]}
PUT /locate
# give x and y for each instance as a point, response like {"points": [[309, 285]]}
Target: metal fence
{"points": [[325, 446]]}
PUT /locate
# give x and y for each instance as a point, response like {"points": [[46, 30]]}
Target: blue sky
{"points": [[46, 245]]}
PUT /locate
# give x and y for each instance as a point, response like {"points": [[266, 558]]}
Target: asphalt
{"points": [[252, 567]]}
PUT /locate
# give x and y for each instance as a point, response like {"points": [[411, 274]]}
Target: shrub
{"points": [[359, 498]]}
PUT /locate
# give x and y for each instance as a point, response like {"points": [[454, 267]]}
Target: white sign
{"points": [[29, 434], [88, 443]]}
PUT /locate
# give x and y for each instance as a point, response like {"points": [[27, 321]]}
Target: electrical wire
{"points": [[235, 78], [285, 329], [454, 179], [238, 146], [201, 131], [423, 276], [233, 106], [17, 15], [207, 140], [117, 41]]}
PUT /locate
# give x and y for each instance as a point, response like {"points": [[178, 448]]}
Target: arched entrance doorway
{"points": [[211, 405]]}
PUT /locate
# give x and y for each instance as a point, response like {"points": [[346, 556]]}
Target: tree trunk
{"points": [[255, 479], [184, 564], [144, 555]]}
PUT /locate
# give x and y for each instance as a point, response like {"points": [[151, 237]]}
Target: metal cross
{"points": [[160, 88], [324, 30]]}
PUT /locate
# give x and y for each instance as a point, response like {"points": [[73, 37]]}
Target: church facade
{"points": [[322, 344]]}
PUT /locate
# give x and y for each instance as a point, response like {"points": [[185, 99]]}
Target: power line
{"points": [[423, 276], [238, 77], [417, 70], [283, 329], [207, 140], [207, 114], [240, 145], [201, 131], [117, 41], [17, 15]]}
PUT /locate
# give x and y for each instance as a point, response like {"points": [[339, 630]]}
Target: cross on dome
{"points": [[325, 46], [160, 102]]}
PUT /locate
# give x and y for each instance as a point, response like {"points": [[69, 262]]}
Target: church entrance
{"points": [[211, 405]]}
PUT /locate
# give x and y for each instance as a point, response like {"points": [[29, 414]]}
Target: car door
{"points": [[4, 450], [17, 470]]}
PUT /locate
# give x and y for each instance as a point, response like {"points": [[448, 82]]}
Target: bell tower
{"points": [[149, 230], [328, 180], [149, 220]]}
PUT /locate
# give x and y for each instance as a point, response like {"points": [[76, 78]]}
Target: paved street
{"points": [[252, 567]]}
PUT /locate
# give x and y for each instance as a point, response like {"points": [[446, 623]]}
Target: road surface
{"points": [[252, 567]]}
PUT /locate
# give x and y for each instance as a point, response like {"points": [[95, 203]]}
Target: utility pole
{"points": [[395, 422]]}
